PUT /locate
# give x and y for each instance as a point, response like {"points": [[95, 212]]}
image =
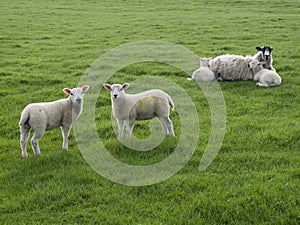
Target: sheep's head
{"points": [[205, 61], [117, 90], [76, 94], [255, 63], [266, 52]]}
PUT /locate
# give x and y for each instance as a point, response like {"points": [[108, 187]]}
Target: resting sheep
{"points": [[49, 115], [235, 67], [142, 106], [266, 78], [203, 73], [265, 55]]}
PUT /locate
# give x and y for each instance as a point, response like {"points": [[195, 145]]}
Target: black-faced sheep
{"points": [[235, 67]]}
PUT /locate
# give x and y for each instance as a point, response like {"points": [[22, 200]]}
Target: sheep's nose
{"points": [[115, 95], [248, 65], [78, 100]]}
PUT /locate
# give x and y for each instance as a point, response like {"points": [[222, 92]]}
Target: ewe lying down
{"points": [[49, 115], [235, 67], [142, 106]]}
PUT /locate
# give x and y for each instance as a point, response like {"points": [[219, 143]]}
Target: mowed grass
{"points": [[48, 45]]}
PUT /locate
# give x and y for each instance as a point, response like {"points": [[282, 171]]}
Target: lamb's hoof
{"points": [[37, 154], [24, 155]]}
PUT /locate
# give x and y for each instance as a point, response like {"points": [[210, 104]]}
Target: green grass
{"points": [[48, 45]]}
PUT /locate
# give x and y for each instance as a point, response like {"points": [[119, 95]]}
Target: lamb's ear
{"points": [[85, 88], [107, 87], [67, 90], [259, 48], [125, 86]]}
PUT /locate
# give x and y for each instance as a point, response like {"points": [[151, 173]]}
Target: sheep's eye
{"points": [[71, 94]]}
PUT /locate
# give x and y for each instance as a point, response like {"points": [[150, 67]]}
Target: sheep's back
{"points": [[268, 76], [47, 114], [152, 103], [151, 106], [231, 67]]}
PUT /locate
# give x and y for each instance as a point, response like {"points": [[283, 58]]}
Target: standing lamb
{"points": [[203, 73], [266, 78], [235, 67], [142, 106], [49, 115]]}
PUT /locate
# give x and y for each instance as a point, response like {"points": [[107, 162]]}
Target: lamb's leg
{"points": [[120, 128], [274, 84], [129, 127], [23, 140], [168, 122], [38, 134], [65, 133], [166, 132], [262, 85]]}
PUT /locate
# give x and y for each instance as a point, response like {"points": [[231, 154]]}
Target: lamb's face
{"points": [[253, 64], [76, 94], [117, 90]]}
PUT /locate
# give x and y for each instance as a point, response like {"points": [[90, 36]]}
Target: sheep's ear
{"points": [[125, 86], [85, 88], [67, 90], [259, 48], [107, 87]]}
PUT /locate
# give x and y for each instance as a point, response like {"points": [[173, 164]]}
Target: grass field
{"points": [[255, 178]]}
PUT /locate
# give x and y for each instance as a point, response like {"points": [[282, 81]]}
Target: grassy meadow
{"points": [[255, 178]]}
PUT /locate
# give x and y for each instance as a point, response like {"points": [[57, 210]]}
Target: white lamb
{"points": [[235, 67], [142, 106], [203, 73], [266, 78], [48, 115]]}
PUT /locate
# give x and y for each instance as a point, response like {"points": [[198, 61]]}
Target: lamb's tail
{"points": [[171, 103], [25, 116]]}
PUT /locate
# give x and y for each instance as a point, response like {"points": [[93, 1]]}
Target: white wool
{"points": [[203, 73], [265, 78], [235, 67], [142, 106], [49, 115]]}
